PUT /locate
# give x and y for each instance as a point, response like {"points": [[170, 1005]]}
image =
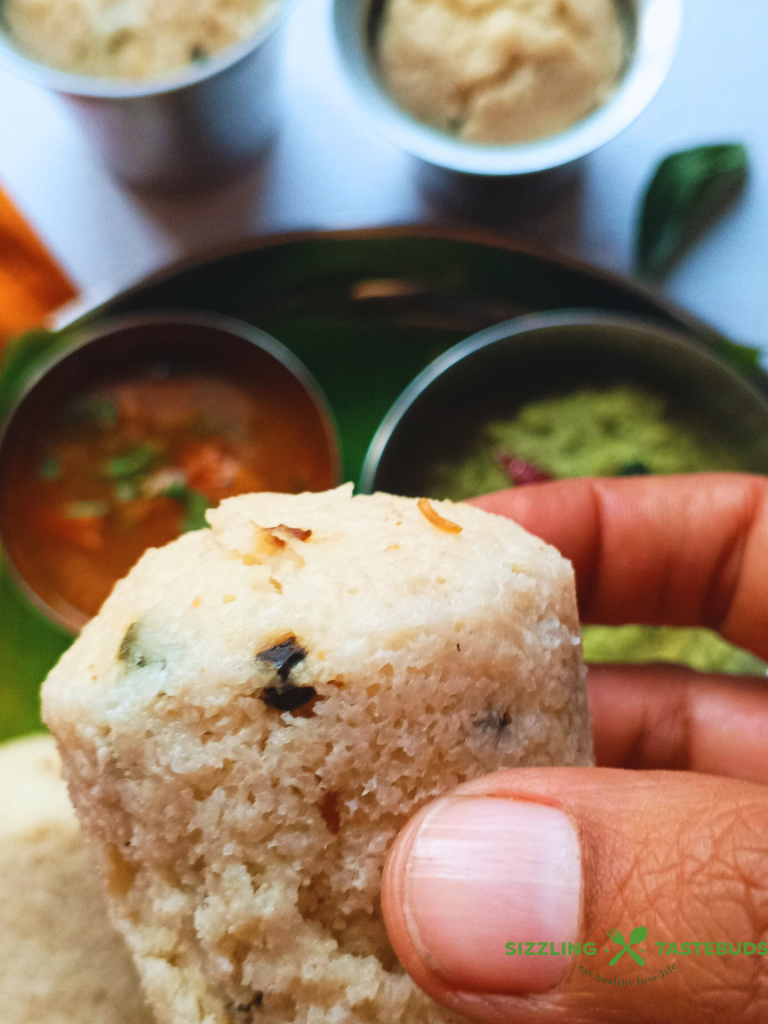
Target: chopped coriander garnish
{"points": [[134, 463], [50, 469], [98, 409], [194, 504]]}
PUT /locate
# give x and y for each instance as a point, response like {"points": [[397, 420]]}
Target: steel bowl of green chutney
{"points": [[578, 393]]}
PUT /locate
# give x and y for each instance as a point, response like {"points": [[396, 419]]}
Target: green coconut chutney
{"points": [[613, 432]]}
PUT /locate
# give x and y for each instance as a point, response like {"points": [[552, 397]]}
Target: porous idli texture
{"points": [[61, 961], [259, 708]]}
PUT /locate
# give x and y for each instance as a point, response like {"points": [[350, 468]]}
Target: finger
{"points": [[679, 551], [557, 859], [660, 717]]}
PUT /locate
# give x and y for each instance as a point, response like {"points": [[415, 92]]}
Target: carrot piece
{"points": [[84, 532], [436, 519], [210, 469]]}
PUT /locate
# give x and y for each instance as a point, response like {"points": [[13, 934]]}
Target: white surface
{"points": [[329, 169]]}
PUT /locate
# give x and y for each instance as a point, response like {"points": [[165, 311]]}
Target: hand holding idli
{"points": [[671, 857]]}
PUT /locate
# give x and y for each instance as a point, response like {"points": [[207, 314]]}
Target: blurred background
{"points": [[329, 169]]}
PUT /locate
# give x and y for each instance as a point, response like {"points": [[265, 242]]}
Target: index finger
{"points": [[672, 550]]}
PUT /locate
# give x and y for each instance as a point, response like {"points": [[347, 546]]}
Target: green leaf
{"points": [[688, 191], [741, 357], [22, 358], [29, 647], [91, 410], [50, 469], [195, 506], [137, 462], [699, 649]]}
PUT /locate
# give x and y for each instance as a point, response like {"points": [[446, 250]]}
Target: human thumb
{"points": [[587, 896]]}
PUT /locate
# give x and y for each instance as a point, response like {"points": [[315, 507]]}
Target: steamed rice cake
{"points": [[259, 708], [61, 962]]}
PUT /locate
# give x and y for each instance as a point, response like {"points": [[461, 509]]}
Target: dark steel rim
{"points": [[74, 621]]}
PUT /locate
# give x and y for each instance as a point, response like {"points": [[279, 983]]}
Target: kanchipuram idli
{"points": [[501, 71], [61, 962], [260, 707], [133, 39]]}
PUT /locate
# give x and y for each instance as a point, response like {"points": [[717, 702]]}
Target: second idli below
{"points": [[61, 962]]}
